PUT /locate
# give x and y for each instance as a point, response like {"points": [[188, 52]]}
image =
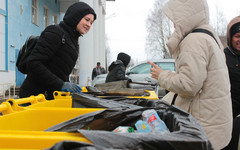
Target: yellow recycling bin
{"points": [[40, 119], [23, 127], [61, 100], [36, 139]]}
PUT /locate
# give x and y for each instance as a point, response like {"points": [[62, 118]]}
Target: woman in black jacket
{"points": [[56, 53], [232, 52]]}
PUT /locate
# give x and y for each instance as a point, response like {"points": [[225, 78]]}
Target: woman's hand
{"points": [[155, 70]]}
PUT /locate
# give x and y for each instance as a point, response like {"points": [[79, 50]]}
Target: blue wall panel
{"points": [[20, 24]]}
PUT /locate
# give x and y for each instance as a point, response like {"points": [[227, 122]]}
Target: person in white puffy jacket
{"points": [[201, 79]]}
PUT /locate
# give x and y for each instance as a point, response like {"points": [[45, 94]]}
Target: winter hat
{"points": [[76, 12], [125, 58], [235, 29]]}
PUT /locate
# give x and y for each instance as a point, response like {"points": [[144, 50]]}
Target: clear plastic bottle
{"points": [[124, 129], [142, 126], [151, 117]]}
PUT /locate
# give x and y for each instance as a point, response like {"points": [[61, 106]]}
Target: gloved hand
{"points": [[71, 87]]}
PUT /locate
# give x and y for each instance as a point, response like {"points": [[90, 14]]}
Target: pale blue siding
{"points": [[20, 26]]}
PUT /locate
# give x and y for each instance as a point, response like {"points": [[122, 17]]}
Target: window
{"points": [[144, 68], [141, 69], [35, 11], [45, 16], [54, 19], [166, 65]]}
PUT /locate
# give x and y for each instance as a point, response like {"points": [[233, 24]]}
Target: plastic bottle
{"points": [[124, 129], [151, 117], [142, 126]]}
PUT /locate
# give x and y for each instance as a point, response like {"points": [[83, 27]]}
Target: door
{"points": [[20, 77]]}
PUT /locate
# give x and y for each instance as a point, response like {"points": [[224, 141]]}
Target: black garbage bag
{"points": [[135, 101], [73, 145], [185, 131], [90, 101], [110, 89], [106, 120]]}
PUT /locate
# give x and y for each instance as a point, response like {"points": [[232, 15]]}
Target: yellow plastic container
{"points": [[40, 119], [36, 139], [61, 100], [23, 127], [152, 96]]}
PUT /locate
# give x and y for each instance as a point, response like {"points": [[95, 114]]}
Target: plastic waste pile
{"points": [[151, 122]]}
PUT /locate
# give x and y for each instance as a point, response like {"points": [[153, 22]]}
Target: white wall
{"points": [[7, 78], [2, 42], [3, 4]]}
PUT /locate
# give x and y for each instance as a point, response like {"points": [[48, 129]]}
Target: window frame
{"points": [[45, 16], [35, 12], [54, 19]]}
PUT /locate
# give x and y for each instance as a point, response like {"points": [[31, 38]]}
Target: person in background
{"points": [[118, 68], [232, 52], [98, 70], [52, 60], [201, 81]]}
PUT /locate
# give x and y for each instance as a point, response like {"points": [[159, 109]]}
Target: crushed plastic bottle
{"points": [[124, 129], [151, 117], [142, 126]]}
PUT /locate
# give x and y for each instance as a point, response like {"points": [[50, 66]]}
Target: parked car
{"points": [[141, 77]]}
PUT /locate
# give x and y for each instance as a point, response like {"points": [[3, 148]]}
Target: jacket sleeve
{"points": [[47, 45], [93, 73], [191, 71], [103, 71]]}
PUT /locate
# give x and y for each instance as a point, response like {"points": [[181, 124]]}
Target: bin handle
{"points": [[32, 99], [61, 95], [6, 108]]}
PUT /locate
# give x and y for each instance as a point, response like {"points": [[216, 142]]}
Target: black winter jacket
{"points": [[116, 72], [233, 63], [52, 59]]}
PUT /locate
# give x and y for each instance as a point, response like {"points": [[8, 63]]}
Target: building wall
{"points": [[20, 15], [19, 27], [92, 45], [5, 75]]}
